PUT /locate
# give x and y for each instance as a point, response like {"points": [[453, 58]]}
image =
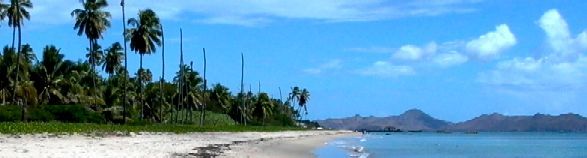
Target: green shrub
{"points": [[212, 119], [73, 114], [9, 113]]}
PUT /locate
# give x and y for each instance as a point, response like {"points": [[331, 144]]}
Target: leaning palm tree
{"points": [[17, 13], [93, 22], [145, 35], [113, 59]]}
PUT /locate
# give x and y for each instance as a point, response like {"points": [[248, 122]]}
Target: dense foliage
{"points": [[52, 88]]}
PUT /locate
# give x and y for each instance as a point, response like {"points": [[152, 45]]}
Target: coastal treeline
{"points": [[50, 87]]}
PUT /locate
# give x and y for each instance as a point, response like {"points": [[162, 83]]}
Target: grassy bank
{"points": [[69, 128]]}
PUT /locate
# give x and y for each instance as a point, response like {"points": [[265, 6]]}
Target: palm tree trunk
{"points": [[18, 71], [13, 36], [162, 75], [94, 60], [125, 63], [141, 87]]}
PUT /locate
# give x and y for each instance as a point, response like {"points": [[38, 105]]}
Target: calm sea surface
{"points": [[459, 145]]}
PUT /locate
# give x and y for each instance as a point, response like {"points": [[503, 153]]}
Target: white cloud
{"points": [[562, 69], [251, 13], [450, 59], [411, 52], [386, 69], [330, 65], [493, 43], [559, 37]]}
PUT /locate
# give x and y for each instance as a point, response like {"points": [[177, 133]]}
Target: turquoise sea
{"points": [[459, 145]]}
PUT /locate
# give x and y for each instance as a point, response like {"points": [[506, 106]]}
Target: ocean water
{"points": [[459, 145]]}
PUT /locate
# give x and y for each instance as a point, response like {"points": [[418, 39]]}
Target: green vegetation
{"points": [[53, 89], [88, 128]]}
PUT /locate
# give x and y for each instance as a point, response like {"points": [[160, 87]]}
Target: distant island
{"points": [[417, 120]]}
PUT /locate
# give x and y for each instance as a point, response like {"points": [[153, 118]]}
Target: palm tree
{"points": [[92, 22], [304, 97], [145, 36], [263, 107], [49, 74], [113, 59], [16, 13], [220, 99], [95, 58], [125, 86], [7, 67], [3, 10]]}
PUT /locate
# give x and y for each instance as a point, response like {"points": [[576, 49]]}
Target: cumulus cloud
{"points": [[386, 69], [559, 37], [330, 65], [250, 13], [450, 59], [411, 52], [562, 68], [493, 43]]}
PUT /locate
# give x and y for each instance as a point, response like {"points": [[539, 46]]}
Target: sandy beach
{"points": [[227, 144]]}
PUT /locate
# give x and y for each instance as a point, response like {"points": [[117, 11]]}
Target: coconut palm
{"points": [[220, 99], [145, 35], [17, 13], [49, 76], [263, 107], [304, 97], [7, 67], [3, 10], [93, 22], [113, 59]]}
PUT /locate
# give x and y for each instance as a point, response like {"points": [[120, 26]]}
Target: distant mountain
{"points": [[417, 120], [538, 122], [410, 120]]}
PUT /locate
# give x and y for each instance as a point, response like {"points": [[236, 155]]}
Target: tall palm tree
{"points": [[93, 22], [17, 13], [145, 35], [162, 80], [125, 86], [113, 59]]}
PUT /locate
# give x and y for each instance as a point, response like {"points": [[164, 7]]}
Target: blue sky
{"points": [[454, 59]]}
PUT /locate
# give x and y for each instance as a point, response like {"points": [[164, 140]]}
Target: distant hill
{"points": [[538, 122], [417, 120], [410, 120]]}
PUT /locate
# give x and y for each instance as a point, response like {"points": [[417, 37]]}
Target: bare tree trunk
{"points": [[243, 117], [181, 78], [203, 113]]}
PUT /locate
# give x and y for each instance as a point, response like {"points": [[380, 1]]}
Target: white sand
{"points": [[142, 144], [299, 147]]}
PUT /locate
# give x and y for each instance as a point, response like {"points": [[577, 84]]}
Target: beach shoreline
{"points": [[144, 144], [298, 147]]}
